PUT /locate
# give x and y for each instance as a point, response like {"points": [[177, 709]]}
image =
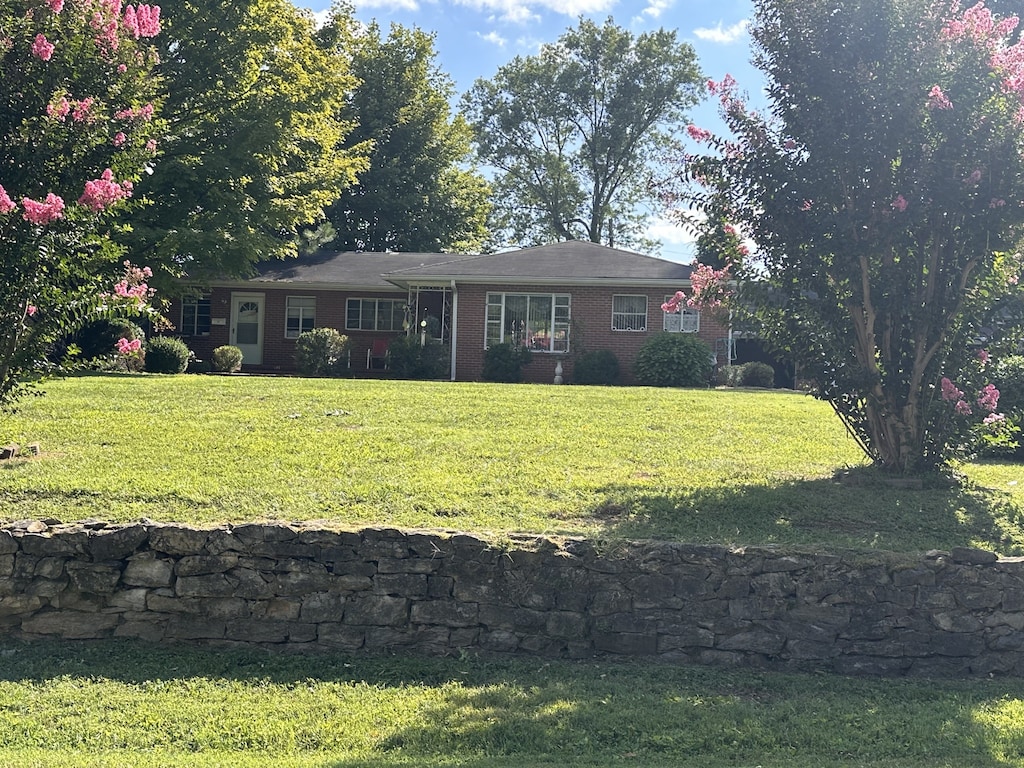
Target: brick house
{"points": [[558, 300]]}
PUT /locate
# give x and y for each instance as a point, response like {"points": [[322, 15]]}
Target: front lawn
{"points": [[727, 466]]}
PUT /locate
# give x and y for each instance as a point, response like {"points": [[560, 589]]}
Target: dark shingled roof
{"points": [[575, 261]]}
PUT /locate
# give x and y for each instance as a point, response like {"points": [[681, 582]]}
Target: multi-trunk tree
{"points": [[78, 125], [884, 189]]}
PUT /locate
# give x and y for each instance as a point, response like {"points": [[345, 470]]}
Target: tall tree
{"points": [[77, 125], [884, 194], [252, 102], [419, 192], [575, 131]]}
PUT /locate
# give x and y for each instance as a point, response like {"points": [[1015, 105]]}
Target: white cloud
{"points": [[723, 35], [521, 11], [320, 17], [670, 232], [494, 38], [391, 5], [655, 8]]}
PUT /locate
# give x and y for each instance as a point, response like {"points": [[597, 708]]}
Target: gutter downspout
{"points": [[455, 327]]}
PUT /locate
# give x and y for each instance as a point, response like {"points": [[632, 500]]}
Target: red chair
{"points": [[377, 354]]}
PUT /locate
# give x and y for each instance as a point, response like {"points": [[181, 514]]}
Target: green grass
{"points": [[733, 467], [116, 704]]}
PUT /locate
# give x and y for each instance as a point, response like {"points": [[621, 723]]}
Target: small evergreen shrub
{"points": [[673, 360], [165, 354], [729, 375], [227, 359], [322, 352], [599, 366], [408, 359], [1008, 376], [757, 375], [504, 362]]}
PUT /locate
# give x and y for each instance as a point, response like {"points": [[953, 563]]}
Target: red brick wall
{"points": [[591, 329]]}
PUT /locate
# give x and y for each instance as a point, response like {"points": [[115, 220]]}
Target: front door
{"points": [[247, 326]]}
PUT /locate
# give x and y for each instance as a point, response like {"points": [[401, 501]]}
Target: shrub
{"points": [[227, 359], [408, 359], [1008, 376], [757, 375], [165, 354], [599, 366], [504, 362], [322, 352], [729, 375], [99, 338], [673, 360]]}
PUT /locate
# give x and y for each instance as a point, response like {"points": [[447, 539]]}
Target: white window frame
{"points": [[191, 328], [627, 321], [306, 315], [559, 321], [362, 325], [684, 320]]}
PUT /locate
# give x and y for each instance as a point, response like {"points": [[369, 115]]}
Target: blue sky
{"points": [[474, 38]]}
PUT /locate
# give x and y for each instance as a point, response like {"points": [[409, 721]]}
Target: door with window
{"points": [[247, 326]]}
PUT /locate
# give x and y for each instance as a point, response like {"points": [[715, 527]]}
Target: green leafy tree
{"points": [[575, 131], [419, 193], [253, 148], [884, 194], [77, 122]]}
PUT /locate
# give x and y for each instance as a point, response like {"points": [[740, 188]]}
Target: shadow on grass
{"points": [[528, 712], [865, 514]]}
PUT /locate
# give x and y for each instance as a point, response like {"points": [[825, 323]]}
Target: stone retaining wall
{"points": [[948, 613]]}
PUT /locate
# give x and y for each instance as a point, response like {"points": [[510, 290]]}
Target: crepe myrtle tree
{"points": [[884, 191], [77, 127]]}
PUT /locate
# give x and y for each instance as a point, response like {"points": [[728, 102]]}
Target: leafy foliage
{"points": [[418, 193], [254, 144], [227, 359], [573, 131], [408, 359], [757, 374], [599, 366], [504, 362], [99, 338], [881, 193], [322, 352], [673, 360], [166, 354]]}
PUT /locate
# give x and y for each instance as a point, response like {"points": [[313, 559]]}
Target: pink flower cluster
{"points": [[80, 111], [132, 285], [707, 289], [980, 26], [6, 204], [56, 5], [698, 134], [988, 398], [126, 347], [142, 21], [42, 48], [103, 192], [144, 113], [900, 203], [938, 100], [51, 209], [138, 21]]}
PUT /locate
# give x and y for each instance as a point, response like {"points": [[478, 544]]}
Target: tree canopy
{"points": [[254, 145], [884, 193], [574, 131], [419, 192]]}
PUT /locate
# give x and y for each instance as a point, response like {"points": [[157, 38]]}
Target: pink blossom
{"points": [[994, 418], [59, 110], [42, 48], [151, 146], [144, 113], [698, 134], [103, 192], [900, 203], [149, 20], [974, 179], [51, 209], [789, 144], [56, 5], [950, 393], [983, 356], [119, 138], [126, 347], [6, 204], [708, 287], [989, 398], [122, 68], [996, 202], [806, 205], [937, 99], [31, 310], [81, 109], [963, 408]]}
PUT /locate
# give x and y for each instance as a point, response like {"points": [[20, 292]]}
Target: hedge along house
{"points": [[557, 300]]}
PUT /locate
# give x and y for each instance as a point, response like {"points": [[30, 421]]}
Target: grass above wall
{"points": [[727, 466]]}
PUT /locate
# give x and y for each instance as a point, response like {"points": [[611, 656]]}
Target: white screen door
{"points": [[247, 326]]}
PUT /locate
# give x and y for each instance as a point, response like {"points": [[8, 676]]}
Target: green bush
{"points": [[1008, 376], [227, 359], [673, 360], [165, 354], [757, 375], [99, 338], [322, 352], [599, 366], [729, 375], [504, 362], [408, 359]]}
